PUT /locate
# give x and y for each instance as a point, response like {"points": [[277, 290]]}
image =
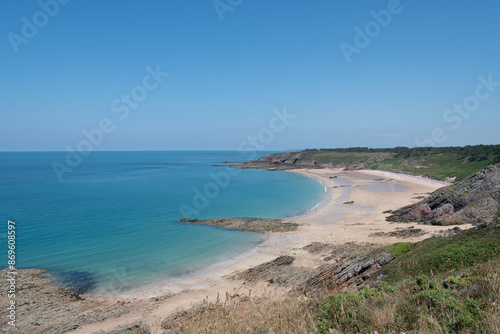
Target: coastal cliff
{"points": [[293, 160], [472, 201], [440, 163]]}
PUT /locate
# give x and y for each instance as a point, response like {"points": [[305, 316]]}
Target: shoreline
{"points": [[326, 198], [162, 287], [351, 211]]}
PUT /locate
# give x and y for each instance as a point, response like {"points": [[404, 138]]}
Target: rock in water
{"points": [[254, 225]]}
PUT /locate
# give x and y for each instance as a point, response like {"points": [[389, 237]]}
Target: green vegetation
{"points": [[438, 285], [349, 158], [439, 166], [434, 162], [462, 303], [439, 255], [398, 248]]}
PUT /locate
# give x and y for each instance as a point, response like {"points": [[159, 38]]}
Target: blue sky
{"points": [[227, 76]]}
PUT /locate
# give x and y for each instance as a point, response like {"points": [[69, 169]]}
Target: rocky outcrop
{"points": [[44, 308], [293, 160], [352, 274], [343, 252], [403, 233], [471, 201], [254, 225], [279, 271]]}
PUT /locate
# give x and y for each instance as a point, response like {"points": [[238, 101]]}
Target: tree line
{"points": [[471, 152]]}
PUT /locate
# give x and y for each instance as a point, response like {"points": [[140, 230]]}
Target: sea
{"points": [[110, 221]]}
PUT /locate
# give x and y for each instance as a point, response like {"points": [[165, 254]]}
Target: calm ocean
{"points": [[113, 222]]}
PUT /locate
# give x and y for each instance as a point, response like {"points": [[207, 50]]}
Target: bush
{"points": [[439, 255], [456, 304]]}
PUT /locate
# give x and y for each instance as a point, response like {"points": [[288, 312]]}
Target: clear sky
{"points": [[352, 73]]}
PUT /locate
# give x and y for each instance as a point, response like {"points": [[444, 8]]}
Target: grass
{"points": [[343, 157], [439, 167], [462, 302], [438, 285], [465, 303], [398, 248], [438, 255], [271, 313]]}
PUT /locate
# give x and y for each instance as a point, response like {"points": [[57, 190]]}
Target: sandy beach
{"points": [[352, 211]]}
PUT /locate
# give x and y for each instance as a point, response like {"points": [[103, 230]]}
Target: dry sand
{"points": [[370, 193]]}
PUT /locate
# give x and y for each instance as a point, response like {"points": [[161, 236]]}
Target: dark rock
{"points": [[187, 220], [279, 271], [255, 224], [294, 160], [257, 271], [471, 201], [353, 273], [449, 232], [343, 252], [444, 210], [409, 232], [46, 308]]}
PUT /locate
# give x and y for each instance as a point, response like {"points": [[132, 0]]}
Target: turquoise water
{"points": [[113, 221]]}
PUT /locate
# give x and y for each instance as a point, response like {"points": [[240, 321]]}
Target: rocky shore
{"points": [[327, 248], [471, 201], [253, 225], [291, 161], [42, 307]]}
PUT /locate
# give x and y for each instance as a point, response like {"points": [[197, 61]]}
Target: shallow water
{"points": [[113, 223]]}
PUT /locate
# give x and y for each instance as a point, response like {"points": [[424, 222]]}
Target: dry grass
{"points": [[491, 272], [272, 313], [460, 300], [388, 309], [467, 302]]}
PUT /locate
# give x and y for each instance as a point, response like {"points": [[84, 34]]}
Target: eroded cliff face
{"points": [[472, 201]]}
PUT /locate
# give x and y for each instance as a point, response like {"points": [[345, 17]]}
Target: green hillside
{"points": [[435, 162]]}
